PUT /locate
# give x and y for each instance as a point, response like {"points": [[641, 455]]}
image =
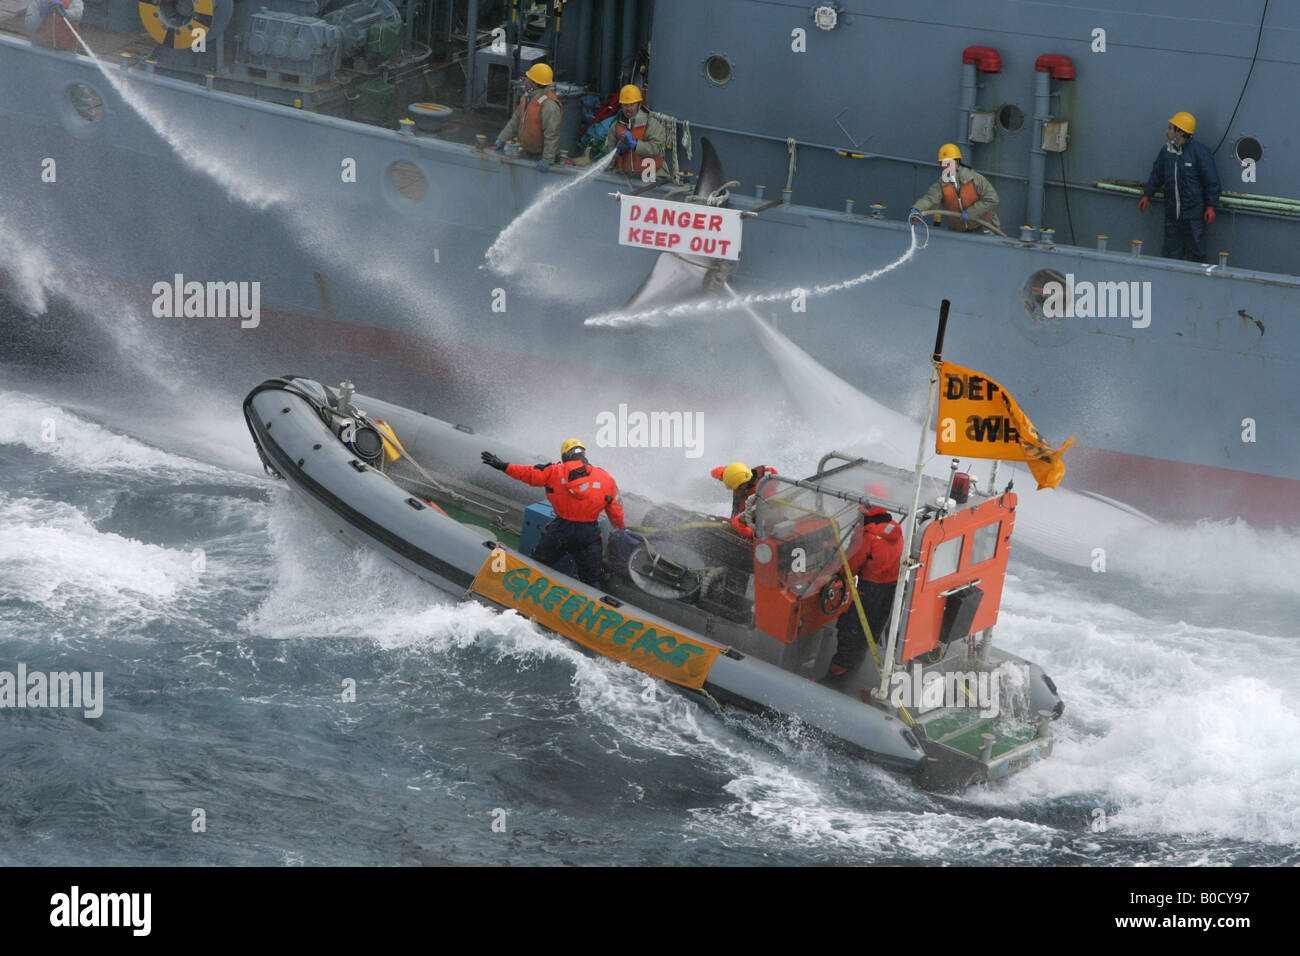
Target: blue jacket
{"points": [[1188, 178]]}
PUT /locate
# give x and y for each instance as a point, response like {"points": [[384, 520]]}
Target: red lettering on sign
{"points": [[635, 214], [715, 224], [633, 235], [652, 216]]}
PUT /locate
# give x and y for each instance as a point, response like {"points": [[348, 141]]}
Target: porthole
{"points": [[1248, 147], [717, 69], [1011, 118], [408, 180], [1036, 291], [86, 102]]}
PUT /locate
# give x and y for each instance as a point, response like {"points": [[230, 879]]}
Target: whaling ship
{"points": [[825, 119]]}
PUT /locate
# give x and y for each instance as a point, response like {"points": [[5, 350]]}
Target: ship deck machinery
{"points": [[763, 614]]}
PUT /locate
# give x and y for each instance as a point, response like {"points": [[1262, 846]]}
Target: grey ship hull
{"points": [[1158, 411]]}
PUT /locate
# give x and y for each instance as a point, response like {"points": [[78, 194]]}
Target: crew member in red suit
{"points": [[876, 566], [579, 492], [741, 480]]}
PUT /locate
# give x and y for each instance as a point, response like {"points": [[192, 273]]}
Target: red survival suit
{"points": [[876, 565], [877, 559], [576, 490]]}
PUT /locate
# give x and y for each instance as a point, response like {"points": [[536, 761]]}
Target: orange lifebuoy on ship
{"points": [[175, 31]]}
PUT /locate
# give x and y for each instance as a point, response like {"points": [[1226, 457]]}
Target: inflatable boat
{"points": [[731, 620]]}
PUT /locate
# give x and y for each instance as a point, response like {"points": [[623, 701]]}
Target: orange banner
{"points": [[512, 582], [977, 419]]}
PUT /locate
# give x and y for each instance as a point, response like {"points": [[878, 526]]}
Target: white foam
{"points": [[1216, 557], [74, 441], [52, 554], [1170, 728]]}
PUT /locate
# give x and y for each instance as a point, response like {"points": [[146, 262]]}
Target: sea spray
{"points": [[235, 187], [310, 222], [501, 255], [657, 315], [1063, 524], [29, 266]]}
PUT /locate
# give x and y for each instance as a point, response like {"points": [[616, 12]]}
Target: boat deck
{"points": [[106, 44]]}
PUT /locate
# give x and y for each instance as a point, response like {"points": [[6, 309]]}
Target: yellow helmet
{"points": [[736, 474], [541, 74], [572, 448], [1184, 121], [949, 151], [629, 94]]}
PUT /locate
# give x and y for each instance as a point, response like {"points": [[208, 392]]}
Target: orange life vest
{"points": [[530, 121], [54, 33], [630, 162], [969, 197]]}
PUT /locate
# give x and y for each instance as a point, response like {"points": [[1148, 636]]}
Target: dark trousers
{"points": [[877, 600], [1185, 239], [578, 538]]}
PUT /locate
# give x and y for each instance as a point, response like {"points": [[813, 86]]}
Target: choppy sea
{"points": [[139, 538]]}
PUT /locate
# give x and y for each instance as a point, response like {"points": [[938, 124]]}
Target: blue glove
{"points": [[629, 142], [965, 216], [543, 166], [499, 145], [914, 215]]}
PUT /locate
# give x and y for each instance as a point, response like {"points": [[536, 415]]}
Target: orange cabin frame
{"points": [[968, 546], [789, 604]]}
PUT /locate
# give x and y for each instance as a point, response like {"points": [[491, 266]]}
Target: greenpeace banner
{"points": [[679, 227], [977, 419], [512, 582]]}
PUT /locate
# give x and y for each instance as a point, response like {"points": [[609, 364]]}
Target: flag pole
{"points": [[908, 567]]}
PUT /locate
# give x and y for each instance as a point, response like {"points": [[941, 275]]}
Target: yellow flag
{"points": [[977, 419]]}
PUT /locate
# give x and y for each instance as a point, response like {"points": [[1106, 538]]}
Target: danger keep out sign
{"points": [[679, 227]]}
